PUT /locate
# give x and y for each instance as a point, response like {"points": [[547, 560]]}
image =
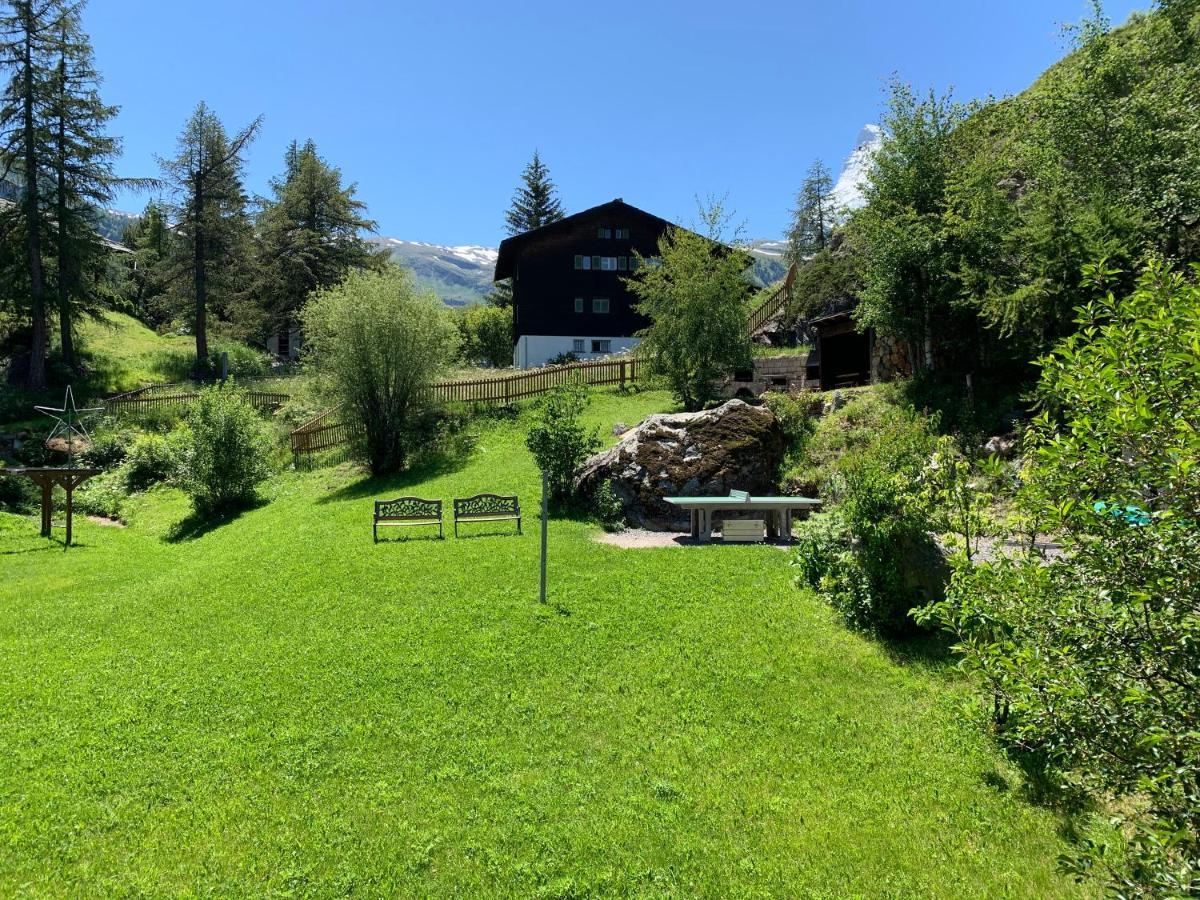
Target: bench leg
{"points": [[375, 532], [519, 525]]}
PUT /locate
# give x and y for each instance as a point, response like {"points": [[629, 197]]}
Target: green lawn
{"points": [[279, 707]]}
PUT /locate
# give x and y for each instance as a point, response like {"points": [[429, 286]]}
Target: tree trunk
{"points": [[200, 280], [66, 268], [35, 378]]}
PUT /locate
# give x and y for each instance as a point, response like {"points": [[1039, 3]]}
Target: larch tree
{"points": [[812, 219], [210, 212], [28, 37], [309, 237], [81, 166]]}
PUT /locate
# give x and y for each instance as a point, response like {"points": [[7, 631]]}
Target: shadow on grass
{"points": [[388, 486], [195, 525], [927, 651]]}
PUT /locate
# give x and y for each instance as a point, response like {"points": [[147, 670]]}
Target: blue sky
{"points": [[434, 108]]}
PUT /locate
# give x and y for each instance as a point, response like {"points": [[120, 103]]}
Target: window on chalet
{"points": [[600, 305], [608, 263], [621, 263], [578, 304], [601, 346], [577, 345], [622, 234], [603, 231], [595, 262]]}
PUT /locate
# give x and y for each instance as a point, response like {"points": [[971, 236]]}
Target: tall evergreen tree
{"points": [[309, 237], [210, 211], [81, 164], [812, 219], [146, 286], [28, 36], [535, 203]]}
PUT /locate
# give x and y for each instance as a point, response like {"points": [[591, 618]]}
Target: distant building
{"points": [[569, 294]]}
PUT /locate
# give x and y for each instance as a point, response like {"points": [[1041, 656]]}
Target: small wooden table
{"points": [[779, 511], [46, 478]]}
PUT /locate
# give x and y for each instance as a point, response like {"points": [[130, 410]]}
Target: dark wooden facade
{"points": [[560, 271]]}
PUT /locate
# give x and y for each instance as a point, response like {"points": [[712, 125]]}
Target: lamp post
{"points": [[545, 519]]}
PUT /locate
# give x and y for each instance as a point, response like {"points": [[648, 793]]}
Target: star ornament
{"points": [[67, 423]]}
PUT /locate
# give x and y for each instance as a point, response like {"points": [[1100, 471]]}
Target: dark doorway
{"points": [[845, 360]]}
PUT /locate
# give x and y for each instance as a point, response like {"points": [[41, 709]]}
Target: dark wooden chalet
{"points": [[569, 294]]}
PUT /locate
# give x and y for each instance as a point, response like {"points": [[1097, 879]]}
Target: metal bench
{"points": [[407, 511], [486, 508]]}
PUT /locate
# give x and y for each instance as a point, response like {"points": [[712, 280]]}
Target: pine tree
{"points": [[27, 43], [81, 165], [535, 202], [812, 219], [309, 237], [210, 211], [146, 286]]}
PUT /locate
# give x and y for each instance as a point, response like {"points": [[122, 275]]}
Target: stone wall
{"points": [[889, 358], [787, 373]]}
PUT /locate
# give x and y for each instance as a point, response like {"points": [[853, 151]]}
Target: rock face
{"points": [[735, 446]]}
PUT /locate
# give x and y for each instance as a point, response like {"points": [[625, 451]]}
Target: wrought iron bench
{"points": [[486, 508], [407, 511]]}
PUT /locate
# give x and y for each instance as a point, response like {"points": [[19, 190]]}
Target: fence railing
{"points": [[328, 430], [773, 305], [156, 398]]}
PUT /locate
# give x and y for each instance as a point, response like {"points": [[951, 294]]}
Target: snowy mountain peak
{"points": [[847, 192]]}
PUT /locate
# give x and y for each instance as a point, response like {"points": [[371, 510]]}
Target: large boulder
{"points": [[709, 453]]}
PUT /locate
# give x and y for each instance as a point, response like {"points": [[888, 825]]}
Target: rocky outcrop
{"points": [[735, 446]]}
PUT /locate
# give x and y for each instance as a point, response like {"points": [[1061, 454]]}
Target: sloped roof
{"points": [[511, 248]]}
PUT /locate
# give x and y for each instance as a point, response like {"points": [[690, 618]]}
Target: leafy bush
{"points": [[153, 459], [487, 334], [376, 343], [1092, 658], [227, 448], [103, 494], [562, 359], [608, 507], [557, 440], [18, 494], [108, 447], [871, 555]]}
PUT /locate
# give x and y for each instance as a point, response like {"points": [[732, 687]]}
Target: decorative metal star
{"points": [[67, 423]]}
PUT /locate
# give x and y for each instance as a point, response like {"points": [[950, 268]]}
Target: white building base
{"points": [[538, 349]]}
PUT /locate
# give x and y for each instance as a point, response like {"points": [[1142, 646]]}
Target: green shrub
{"points": [[18, 494], [152, 459], [486, 333], [558, 440], [227, 449], [102, 495], [108, 448], [871, 555], [377, 343], [608, 508], [1092, 658]]}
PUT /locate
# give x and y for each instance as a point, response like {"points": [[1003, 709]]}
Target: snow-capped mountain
{"points": [[458, 275], [847, 192]]}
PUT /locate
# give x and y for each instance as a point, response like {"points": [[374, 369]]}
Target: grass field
{"points": [[276, 706]]}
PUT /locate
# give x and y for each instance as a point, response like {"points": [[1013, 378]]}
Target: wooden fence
{"points": [[773, 305], [163, 395], [328, 430]]}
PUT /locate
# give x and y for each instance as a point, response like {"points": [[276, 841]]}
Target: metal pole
{"points": [[545, 517]]}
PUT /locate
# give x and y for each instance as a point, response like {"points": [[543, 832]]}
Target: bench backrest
{"points": [[408, 508], [486, 505]]}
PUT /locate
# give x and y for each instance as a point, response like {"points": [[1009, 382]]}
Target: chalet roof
{"points": [[613, 212]]}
